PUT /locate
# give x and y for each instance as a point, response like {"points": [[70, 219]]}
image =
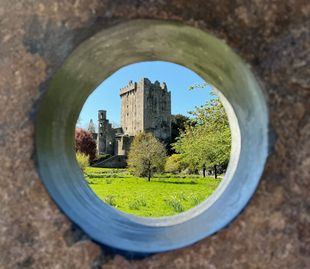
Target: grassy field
{"points": [[165, 195]]}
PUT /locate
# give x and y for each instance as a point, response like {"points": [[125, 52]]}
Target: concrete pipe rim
{"points": [[99, 57]]}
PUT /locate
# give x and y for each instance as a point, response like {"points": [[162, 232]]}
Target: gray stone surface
{"points": [[146, 106], [106, 134], [117, 161], [273, 37]]}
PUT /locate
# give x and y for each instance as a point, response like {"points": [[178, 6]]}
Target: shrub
{"points": [[85, 143], [174, 164], [82, 160]]}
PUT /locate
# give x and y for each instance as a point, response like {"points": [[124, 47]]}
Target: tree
{"points": [[174, 164], [146, 156], [206, 141], [178, 124], [85, 143]]}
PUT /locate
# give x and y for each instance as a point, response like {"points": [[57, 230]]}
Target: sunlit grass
{"points": [[165, 195]]}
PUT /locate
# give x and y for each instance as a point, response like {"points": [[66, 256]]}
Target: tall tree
{"points": [[178, 124], [146, 156], [206, 141]]}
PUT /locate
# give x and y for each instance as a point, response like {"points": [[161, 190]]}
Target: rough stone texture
{"points": [[117, 161], [273, 36], [146, 106], [106, 134]]}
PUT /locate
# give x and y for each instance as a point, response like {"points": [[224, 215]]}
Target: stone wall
{"points": [[146, 106], [157, 110], [106, 134], [272, 36], [117, 161], [132, 108], [122, 144]]}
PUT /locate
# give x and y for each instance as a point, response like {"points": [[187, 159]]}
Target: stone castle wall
{"points": [[146, 106], [106, 134], [157, 110], [132, 108]]}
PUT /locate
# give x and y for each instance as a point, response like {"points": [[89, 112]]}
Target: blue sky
{"points": [[177, 78]]}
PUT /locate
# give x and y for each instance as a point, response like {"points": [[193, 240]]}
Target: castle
{"points": [[145, 107]]}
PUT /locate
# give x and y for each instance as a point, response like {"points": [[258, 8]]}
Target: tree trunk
{"points": [[215, 172], [149, 172], [204, 171]]}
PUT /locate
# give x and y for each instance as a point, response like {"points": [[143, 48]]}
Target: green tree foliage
{"points": [[147, 155], [174, 164], [206, 141], [178, 124], [82, 159]]}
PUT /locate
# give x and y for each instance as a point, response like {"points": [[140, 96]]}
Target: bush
{"points": [[174, 164], [82, 159], [85, 143]]}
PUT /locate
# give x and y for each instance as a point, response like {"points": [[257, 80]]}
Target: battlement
{"points": [[146, 106], [132, 86], [144, 83]]}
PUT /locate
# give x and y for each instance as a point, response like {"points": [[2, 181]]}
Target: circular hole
{"points": [[101, 56], [172, 166]]}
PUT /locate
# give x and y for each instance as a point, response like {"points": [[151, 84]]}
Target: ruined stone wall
{"points": [[122, 144], [271, 36], [106, 134]]}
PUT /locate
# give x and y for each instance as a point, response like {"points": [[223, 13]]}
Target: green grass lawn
{"points": [[165, 195]]}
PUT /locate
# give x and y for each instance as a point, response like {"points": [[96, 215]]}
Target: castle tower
{"points": [[146, 106], [106, 134]]}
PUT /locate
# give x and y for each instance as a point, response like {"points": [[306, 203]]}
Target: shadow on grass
{"points": [[174, 182]]}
